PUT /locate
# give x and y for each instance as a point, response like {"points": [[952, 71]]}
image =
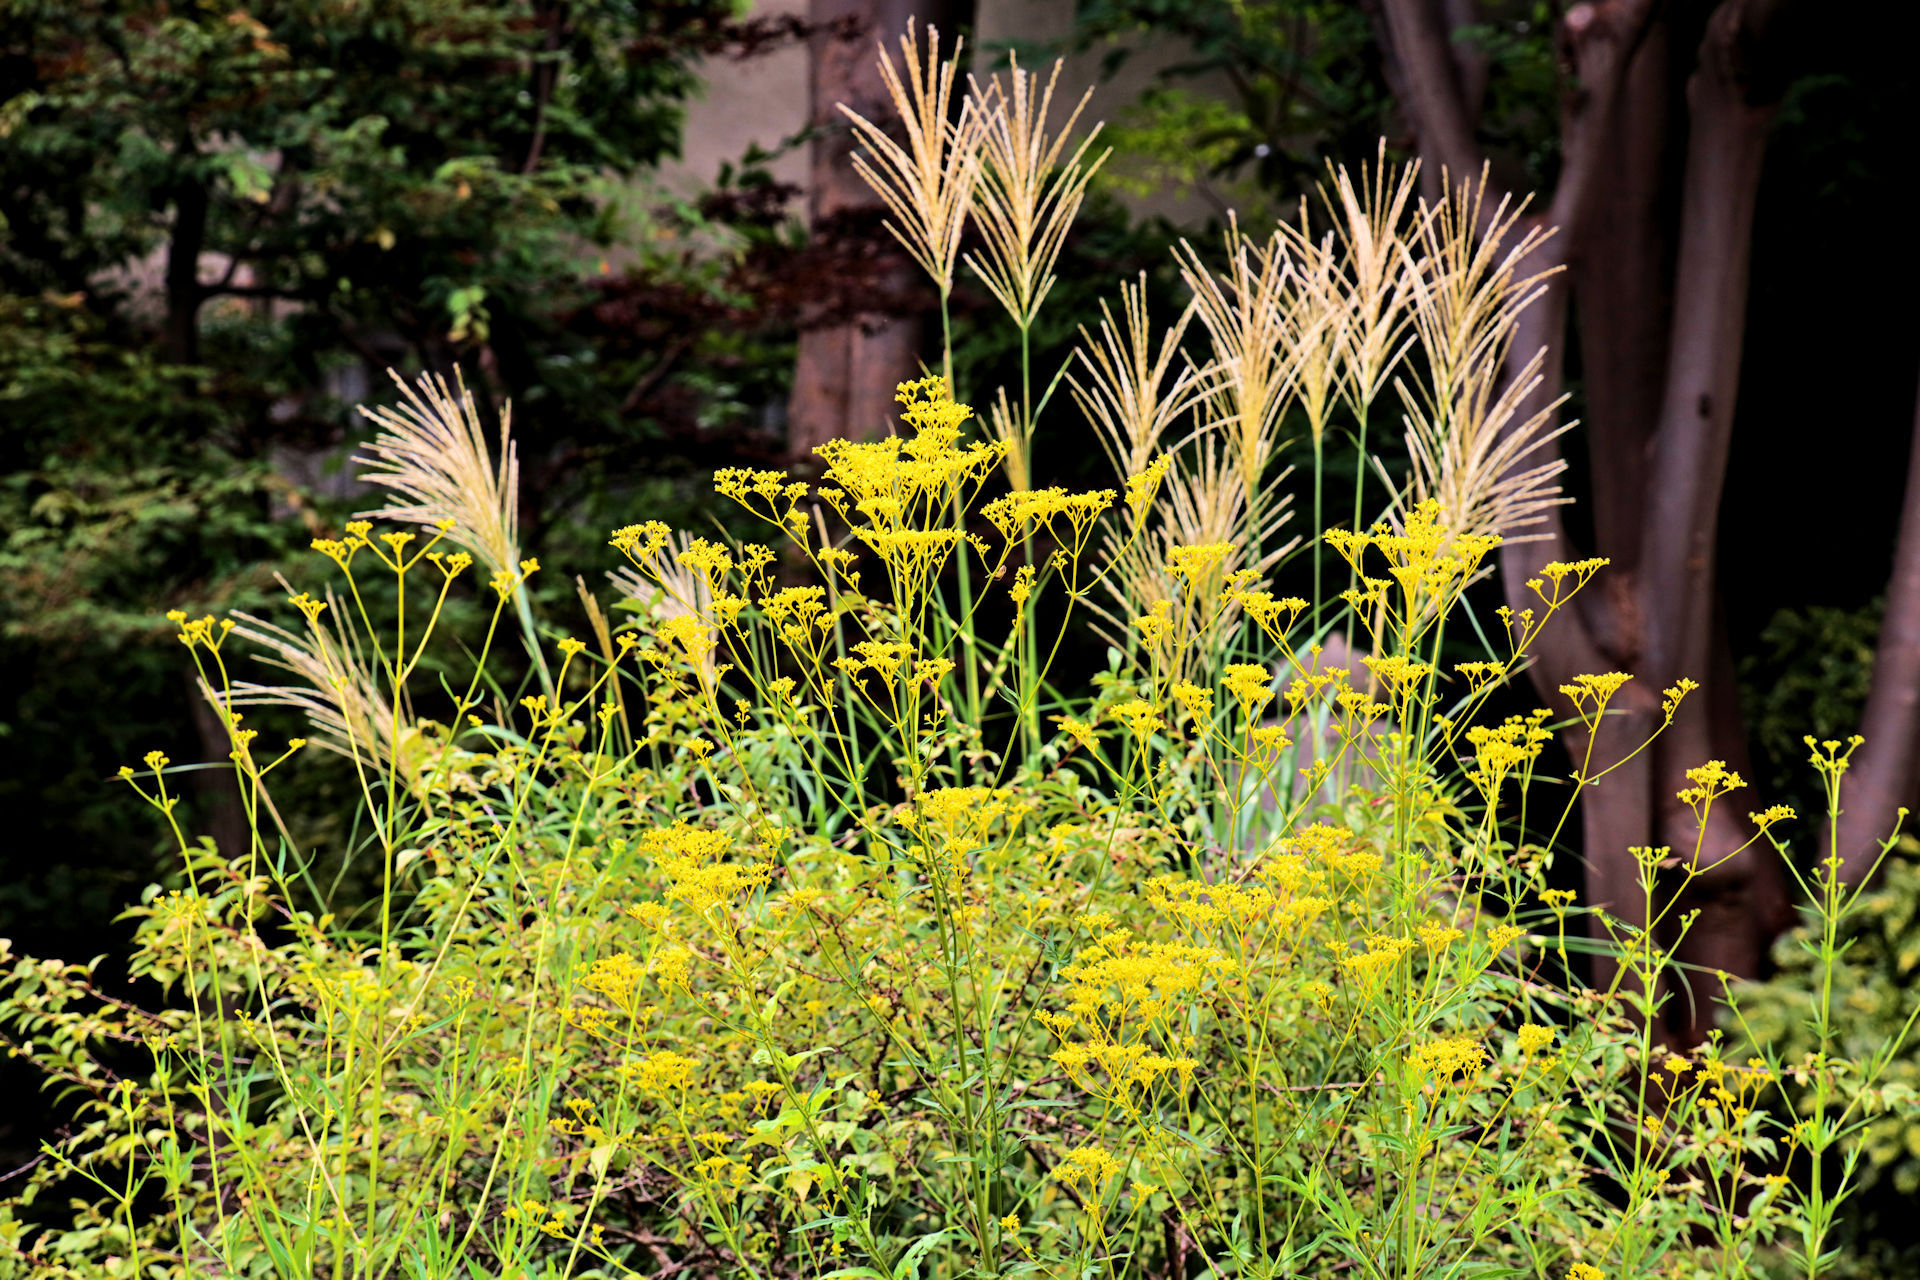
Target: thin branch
{"points": [[1422, 49]]}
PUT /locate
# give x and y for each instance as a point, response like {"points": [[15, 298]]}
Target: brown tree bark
{"points": [[1657, 275], [1885, 774], [1742, 898], [861, 335]]}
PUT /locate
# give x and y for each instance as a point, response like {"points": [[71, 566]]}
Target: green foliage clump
{"points": [[805, 922], [213, 222], [1870, 984]]}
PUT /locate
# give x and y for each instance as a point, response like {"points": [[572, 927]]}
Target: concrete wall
{"points": [[764, 100]]}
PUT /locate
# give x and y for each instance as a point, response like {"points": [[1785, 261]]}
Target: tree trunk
{"points": [[1741, 896], [1882, 778], [1621, 288], [1661, 307], [184, 292], [861, 335]]}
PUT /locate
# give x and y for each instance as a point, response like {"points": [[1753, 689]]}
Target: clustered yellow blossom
{"points": [[1251, 685], [1087, 1170], [1533, 1038], [1113, 979], [1503, 750], [1142, 719], [1446, 1058], [1431, 563], [1193, 564], [1383, 954], [694, 860], [1710, 781], [660, 1073], [1024, 512]]}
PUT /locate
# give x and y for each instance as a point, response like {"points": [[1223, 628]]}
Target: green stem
{"points": [[1319, 528], [524, 610], [1359, 487]]}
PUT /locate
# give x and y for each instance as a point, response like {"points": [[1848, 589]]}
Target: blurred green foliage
{"points": [[217, 223], [1879, 953], [1809, 674]]}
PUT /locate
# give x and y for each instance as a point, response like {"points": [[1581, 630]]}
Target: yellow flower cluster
{"points": [[1125, 1067], [1383, 953], [1710, 781], [694, 862], [1192, 564], [1087, 1170], [1447, 1057], [1502, 750], [1251, 685], [1532, 1038], [1112, 979], [1023, 512], [1431, 563], [659, 1073]]}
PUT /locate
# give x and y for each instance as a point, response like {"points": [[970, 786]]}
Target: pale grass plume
{"points": [[928, 183], [1475, 436], [1129, 389], [335, 685], [1249, 381], [1369, 221], [432, 450], [1316, 319], [1004, 421], [666, 587], [1484, 463], [1467, 281], [1026, 196]]}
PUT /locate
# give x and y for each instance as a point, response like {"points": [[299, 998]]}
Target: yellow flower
{"points": [[1087, 1168], [1156, 624], [1251, 684], [1710, 781], [1142, 487], [660, 1072], [1195, 701], [1534, 1038], [1502, 934], [1022, 586], [1141, 718], [1079, 730], [1442, 1059], [1194, 563], [692, 857]]}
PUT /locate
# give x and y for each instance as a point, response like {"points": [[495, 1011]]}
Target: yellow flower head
{"points": [[1251, 684], [1141, 718], [1196, 562], [1443, 1059], [1534, 1038]]}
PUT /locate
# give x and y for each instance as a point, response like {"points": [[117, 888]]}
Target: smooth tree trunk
{"points": [[1654, 210], [1741, 897], [1885, 773], [861, 333]]}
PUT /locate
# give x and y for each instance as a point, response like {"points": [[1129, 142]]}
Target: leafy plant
{"points": [[805, 922]]}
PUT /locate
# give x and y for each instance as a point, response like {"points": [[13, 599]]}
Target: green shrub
{"points": [[807, 923]]}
